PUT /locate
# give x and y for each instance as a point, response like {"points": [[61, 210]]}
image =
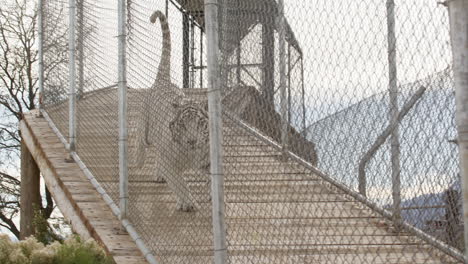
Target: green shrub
{"points": [[72, 251], [75, 251]]}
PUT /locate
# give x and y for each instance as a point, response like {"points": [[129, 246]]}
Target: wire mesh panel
{"points": [[97, 94], [370, 104], [429, 166], [55, 50], [96, 91], [169, 186], [95, 61]]}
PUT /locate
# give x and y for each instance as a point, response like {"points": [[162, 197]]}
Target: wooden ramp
{"points": [[73, 193], [276, 211]]}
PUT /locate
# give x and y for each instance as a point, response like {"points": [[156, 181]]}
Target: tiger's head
{"points": [[189, 130]]}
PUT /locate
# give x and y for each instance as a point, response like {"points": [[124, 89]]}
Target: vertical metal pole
{"points": [[216, 131], [238, 59], [80, 61], [238, 50], [282, 72], [185, 50], [393, 91], [122, 86], [201, 58], [192, 52], [80, 22], [223, 39], [289, 83], [303, 100], [268, 61], [167, 9], [458, 13], [40, 26], [72, 76]]}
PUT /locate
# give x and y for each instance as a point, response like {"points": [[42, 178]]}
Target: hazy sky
{"points": [[344, 44]]}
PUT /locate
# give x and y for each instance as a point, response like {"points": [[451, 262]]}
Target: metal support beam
{"points": [[362, 180], [238, 42], [40, 50], [201, 58], [185, 50], [458, 13], [238, 58], [166, 9], [80, 48], [393, 90], [72, 76], [290, 68], [268, 60], [216, 132], [123, 133], [304, 127], [282, 71], [192, 53]]}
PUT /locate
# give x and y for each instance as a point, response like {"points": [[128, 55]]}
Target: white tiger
{"points": [[172, 126]]}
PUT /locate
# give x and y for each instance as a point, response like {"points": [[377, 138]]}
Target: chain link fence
{"points": [[339, 146], [344, 64], [95, 69], [169, 186], [55, 95]]}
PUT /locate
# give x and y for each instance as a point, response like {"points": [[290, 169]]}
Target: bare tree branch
{"points": [[9, 178], [9, 224], [19, 91]]}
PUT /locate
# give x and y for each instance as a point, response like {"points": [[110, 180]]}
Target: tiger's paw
{"points": [[185, 207], [160, 179]]}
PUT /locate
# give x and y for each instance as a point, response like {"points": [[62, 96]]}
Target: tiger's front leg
{"points": [[160, 179], [170, 170]]}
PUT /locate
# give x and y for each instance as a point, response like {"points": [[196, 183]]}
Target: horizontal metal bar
{"points": [[245, 65], [423, 207]]}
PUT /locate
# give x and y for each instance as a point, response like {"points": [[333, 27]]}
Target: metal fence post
{"points": [[40, 51], [304, 127], [80, 48], [393, 91], [185, 51], [72, 76], [282, 72], [123, 133], [458, 13], [216, 136]]}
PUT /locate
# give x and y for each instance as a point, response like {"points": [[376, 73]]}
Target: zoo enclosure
{"points": [[363, 91]]}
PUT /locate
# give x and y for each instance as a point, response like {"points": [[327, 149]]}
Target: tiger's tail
{"points": [[164, 67]]}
